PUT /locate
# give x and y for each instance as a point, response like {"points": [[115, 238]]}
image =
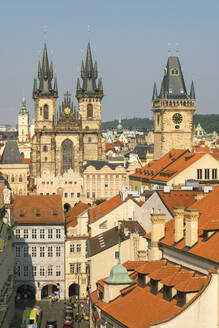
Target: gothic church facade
{"points": [[66, 138]]}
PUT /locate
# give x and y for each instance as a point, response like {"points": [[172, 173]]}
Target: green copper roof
{"points": [[119, 276], [23, 109]]}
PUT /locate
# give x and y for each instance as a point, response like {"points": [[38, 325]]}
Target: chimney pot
{"points": [[179, 222], [192, 216]]}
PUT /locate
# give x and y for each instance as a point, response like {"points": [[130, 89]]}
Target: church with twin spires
{"points": [[66, 138]]}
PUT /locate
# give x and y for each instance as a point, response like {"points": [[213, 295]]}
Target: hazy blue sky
{"points": [[129, 40]]}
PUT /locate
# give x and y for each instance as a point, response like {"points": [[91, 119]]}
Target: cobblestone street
{"points": [[50, 312]]}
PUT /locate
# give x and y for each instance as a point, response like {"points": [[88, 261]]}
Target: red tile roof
{"points": [[150, 266], [129, 307], [102, 209], [168, 166], [208, 208], [164, 271], [71, 216], [174, 198], [37, 209]]}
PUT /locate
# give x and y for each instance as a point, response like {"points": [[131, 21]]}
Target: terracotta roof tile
{"points": [[176, 278], [174, 198], [132, 265], [71, 216], [38, 209], [208, 208], [26, 161], [129, 307], [193, 284], [164, 271], [102, 209], [150, 266]]}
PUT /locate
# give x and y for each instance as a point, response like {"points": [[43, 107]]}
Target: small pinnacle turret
{"points": [[154, 92], [89, 75], [192, 91], [45, 76]]}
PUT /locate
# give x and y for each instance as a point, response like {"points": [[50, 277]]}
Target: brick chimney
{"points": [[158, 229], [179, 222], [191, 216]]}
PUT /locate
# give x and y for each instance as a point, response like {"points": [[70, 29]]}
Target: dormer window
{"points": [[21, 214], [181, 91], [167, 293], [154, 286], [54, 212], [37, 212]]}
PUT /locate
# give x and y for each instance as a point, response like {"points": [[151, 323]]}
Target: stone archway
{"points": [[47, 290], [67, 155], [74, 290], [26, 291]]}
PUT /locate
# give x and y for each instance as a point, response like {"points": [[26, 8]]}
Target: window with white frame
{"points": [[78, 247], [25, 233], [58, 271], [18, 233], [58, 233], [17, 251], [72, 248], [34, 233], [50, 233], [50, 270], [42, 271], [42, 251], [58, 251], [72, 267], [33, 251], [50, 251], [25, 251], [42, 233], [78, 267], [26, 271], [33, 270], [18, 270]]}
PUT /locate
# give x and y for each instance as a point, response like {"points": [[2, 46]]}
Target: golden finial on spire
{"points": [[169, 50], [45, 31], [177, 49]]}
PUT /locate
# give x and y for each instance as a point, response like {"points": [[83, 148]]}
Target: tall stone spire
{"points": [[173, 84], [89, 75], [45, 76]]}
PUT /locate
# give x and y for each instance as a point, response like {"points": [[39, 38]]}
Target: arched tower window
{"points": [[44, 148], [89, 111], [67, 155], [46, 112]]}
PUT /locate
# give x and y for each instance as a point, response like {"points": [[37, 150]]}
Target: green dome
{"points": [[119, 276], [23, 109]]}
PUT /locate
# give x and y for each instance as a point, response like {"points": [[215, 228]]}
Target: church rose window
{"points": [[89, 111], [67, 155]]}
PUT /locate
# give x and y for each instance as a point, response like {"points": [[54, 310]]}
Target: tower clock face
{"points": [[67, 110], [177, 118]]}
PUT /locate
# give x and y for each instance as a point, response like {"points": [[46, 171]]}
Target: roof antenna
{"points": [[177, 49], [169, 50]]}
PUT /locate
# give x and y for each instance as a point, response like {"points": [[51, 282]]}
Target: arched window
{"points": [[89, 139], [20, 178], [89, 111], [44, 148], [67, 155], [41, 111], [46, 112], [12, 178]]}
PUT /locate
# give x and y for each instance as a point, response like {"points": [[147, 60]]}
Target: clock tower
{"points": [[173, 111]]}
